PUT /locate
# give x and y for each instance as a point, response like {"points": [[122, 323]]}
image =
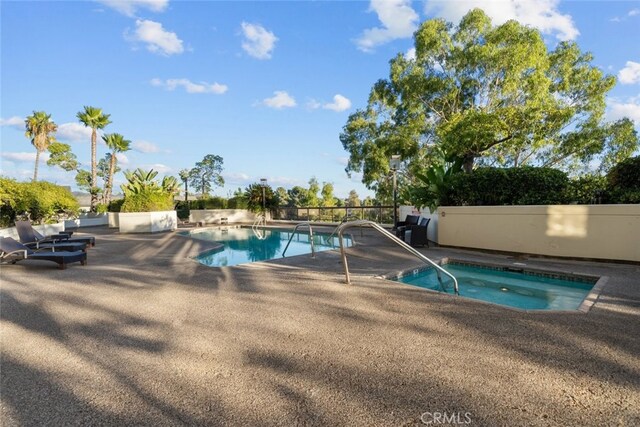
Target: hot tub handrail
{"points": [[293, 233], [394, 239]]}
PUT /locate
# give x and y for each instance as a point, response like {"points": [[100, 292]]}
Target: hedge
{"points": [[40, 202], [147, 201], [624, 181]]}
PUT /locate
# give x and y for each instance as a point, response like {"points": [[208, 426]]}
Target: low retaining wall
{"points": [[87, 221], [213, 216], [147, 222], [609, 232]]}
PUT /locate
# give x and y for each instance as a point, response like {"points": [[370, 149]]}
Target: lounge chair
{"points": [[13, 251], [416, 235], [65, 246], [29, 235]]}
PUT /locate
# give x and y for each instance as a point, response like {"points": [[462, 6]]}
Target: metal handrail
{"points": [[256, 223], [394, 239], [293, 233]]}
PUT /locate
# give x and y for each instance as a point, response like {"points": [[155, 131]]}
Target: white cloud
{"points": [[24, 156], [158, 40], [258, 41], [630, 74], [410, 55], [541, 14], [190, 87], [312, 104], [130, 7], [145, 147], [398, 20], [14, 122], [122, 159], [73, 132], [634, 12], [340, 103], [237, 178], [617, 109], [158, 167], [279, 100]]}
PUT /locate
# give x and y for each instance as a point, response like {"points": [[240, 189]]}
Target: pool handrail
{"points": [[293, 233], [394, 239]]}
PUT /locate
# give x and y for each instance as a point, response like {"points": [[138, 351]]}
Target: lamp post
{"points": [[263, 183], [394, 163]]}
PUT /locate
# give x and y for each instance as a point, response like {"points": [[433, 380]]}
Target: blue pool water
{"points": [[514, 289], [243, 245]]}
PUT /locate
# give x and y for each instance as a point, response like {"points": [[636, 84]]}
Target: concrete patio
{"points": [[144, 335]]}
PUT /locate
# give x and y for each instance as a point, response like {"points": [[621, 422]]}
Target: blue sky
{"points": [[266, 85]]}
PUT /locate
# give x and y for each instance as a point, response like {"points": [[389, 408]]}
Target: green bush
{"points": [[237, 203], [215, 202], [587, 190], [624, 181], [147, 201], [40, 202], [115, 205], [183, 210], [507, 186]]}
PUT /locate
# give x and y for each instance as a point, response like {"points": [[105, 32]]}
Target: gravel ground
{"points": [[144, 335]]}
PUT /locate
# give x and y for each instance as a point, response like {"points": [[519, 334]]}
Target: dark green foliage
{"points": [[624, 181], [238, 202], [40, 201], [183, 211], [215, 202], [587, 190], [115, 205], [507, 186], [147, 201], [253, 195]]}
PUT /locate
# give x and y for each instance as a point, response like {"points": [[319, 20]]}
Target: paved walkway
{"points": [[144, 335]]}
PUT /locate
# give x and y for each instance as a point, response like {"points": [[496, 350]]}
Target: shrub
{"points": [[237, 203], [147, 201], [183, 210], [215, 202], [507, 186], [587, 189], [115, 205], [624, 181], [40, 201]]}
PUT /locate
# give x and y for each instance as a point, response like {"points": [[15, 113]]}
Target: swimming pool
{"points": [[241, 245], [508, 286]]}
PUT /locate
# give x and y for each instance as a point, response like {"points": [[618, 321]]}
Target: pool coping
{"points": [[586, 305]]}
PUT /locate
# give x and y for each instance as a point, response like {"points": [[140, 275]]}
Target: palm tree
{"points": [[39, 128], [185, 174], [93, 118], [117, 144]]}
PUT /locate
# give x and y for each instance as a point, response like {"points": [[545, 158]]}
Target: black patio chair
{"points": [[401, 227], [12, 251], [416, 235]]}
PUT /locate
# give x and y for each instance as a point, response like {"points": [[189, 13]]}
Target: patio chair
{"points": [[12, 251], [63, 245], [29, 235], [416, 235], [401, 226]]}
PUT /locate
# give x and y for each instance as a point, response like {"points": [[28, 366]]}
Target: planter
{"points": [[214, 216], [87, 220], [147, 222], [114, 219]]}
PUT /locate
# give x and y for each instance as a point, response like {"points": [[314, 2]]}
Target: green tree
{"points": [[486, 94], [353, 200], [39, 129], [184, 175], [60, 155], [298, 197], [117, 144], [253, 195], [282, 196], [83, 180], [95, 119], [312, 192], [328, 198], [207, 173]]}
